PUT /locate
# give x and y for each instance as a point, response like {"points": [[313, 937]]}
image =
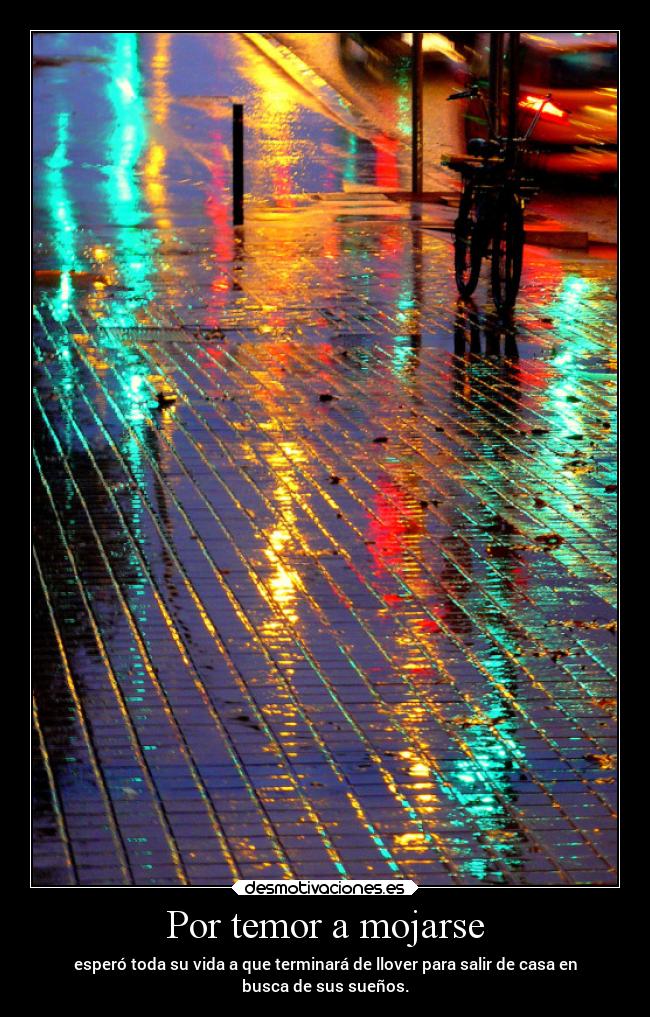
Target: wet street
{"points": [[324, 560]]}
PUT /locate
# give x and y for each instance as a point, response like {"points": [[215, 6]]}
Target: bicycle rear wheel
{"points": [[507, 252], [467, 245]]}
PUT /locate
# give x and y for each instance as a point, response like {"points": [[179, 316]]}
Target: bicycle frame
{"points": [[491, 211]]}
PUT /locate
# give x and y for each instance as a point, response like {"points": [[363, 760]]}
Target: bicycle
{"points": [[491, 211]]}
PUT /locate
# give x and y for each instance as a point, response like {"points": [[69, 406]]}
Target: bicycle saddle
{"points": [[485, 147]]}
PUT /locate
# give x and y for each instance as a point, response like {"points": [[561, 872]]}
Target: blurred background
{"points": [[325, 111]]}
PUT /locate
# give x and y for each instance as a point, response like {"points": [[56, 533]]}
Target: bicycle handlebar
{"points": [[533, 123], [468, 94], [475, 92]]}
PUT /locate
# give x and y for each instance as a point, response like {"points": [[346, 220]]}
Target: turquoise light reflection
{"points": [[65, 225], [127, 140], [350, 168]]}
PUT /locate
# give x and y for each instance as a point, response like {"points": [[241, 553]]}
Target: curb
{"points": [[295, 67]]}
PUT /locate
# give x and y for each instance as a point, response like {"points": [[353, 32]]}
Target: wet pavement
{"points": [[324, 573]]}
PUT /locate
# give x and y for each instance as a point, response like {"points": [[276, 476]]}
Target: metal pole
{"points": [[496, 79], [513, 84], [416, 114], [238, 164]]}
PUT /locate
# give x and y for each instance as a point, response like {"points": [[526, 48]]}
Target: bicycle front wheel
{"points": [[507, 252], [467, 253]]}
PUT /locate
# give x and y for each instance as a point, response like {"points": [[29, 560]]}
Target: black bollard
{"points": [[238, 164]]}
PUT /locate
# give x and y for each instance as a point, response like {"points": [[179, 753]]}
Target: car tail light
{"points": [[549, 112]]}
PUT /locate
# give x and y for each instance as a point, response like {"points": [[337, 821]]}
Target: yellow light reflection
{"points": [[156, 156]]}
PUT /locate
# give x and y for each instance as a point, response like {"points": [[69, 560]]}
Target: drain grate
{"points": [[156, 334]]}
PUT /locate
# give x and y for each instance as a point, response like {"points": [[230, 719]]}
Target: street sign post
{"points": [[513, 84], [416, 114], [495, 79]]}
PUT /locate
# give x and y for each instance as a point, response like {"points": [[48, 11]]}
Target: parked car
{"points": [[578, 129], [391, 46]]}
